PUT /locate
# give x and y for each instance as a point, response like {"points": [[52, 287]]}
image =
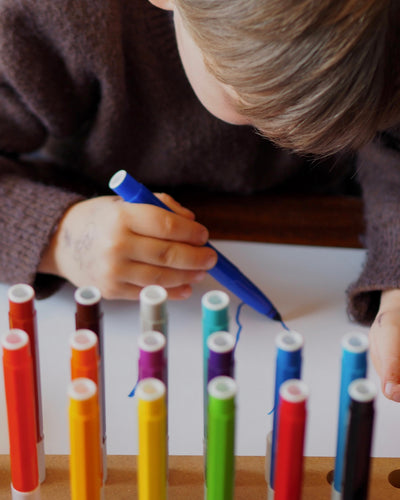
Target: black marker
{"points": [[357, 458]]}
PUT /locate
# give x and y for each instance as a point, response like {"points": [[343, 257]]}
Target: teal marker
{"points": [[215, 318], [220, 480]]}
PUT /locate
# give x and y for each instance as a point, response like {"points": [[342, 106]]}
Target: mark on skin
{"points": [[381, 315], [67, 238], [82, 245]]}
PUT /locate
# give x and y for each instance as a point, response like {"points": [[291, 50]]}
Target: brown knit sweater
{"points": [[88, 87]]}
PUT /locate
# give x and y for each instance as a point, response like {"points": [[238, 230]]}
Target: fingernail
{"points": [[199, 276], [392, 391], [204, 236], [186, 292], [211, 261]]}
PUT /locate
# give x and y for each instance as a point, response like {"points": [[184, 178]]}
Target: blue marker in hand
{"points": [[226, 273]]}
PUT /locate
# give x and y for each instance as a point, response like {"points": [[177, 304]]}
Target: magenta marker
{"points": [[152, 356], [221, 346]]}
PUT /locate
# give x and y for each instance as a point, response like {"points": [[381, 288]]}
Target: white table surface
{"points": [[307, 285]]}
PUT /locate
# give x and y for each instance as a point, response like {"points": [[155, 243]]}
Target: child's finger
{"points": [[127, 291], [143, 275], [385, 352], [149, 220], [175, 206], [174, 255]]}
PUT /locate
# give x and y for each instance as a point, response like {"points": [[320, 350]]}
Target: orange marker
{"points": [[22, 315], [85, 362], [85, 355], [19, 391], [85, 454]]}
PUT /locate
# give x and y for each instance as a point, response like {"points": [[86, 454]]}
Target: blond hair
{"points": [[311, 75]]}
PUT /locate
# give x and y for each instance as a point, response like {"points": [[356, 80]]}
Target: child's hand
{"points": [[121, 247], [385, 343]]}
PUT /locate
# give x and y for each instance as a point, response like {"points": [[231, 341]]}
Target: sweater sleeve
{"points": [[39, 98], [379, 176]]}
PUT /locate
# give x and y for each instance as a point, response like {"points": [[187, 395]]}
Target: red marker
{"points": [[19, 386], [22, 315], [290, 443]]}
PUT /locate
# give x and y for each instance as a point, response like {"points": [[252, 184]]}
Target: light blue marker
{"points": [[354, 365], [288, 366], [215, 318]]}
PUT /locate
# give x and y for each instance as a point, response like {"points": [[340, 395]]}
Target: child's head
{"points": [[311, 75]]}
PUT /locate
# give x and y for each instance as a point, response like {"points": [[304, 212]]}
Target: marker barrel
{"points": [[357, 457], [220, 477], [22, 315], [85, 448], [89, 316], [153, 309], [152, 427], [19, 392], [289, 346], [354, 365], [85, 359], [290, 443], [221, 346], [152, 362]]}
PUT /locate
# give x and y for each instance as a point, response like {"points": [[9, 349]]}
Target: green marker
{"points": [[220, 480]]}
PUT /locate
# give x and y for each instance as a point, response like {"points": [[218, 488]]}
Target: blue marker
{"points": [[224, 271], [354, 366], [288, 366]]}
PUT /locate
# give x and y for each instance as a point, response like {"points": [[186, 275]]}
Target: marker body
{"points": [[22, 315], [225, 272], [290, 443], [221, 347], [357, 457], [288, 366], [19, 392], [152, 426], [89, 316], [151, 362], [153, 309], [354, 366], [220, 477], [85, 359], [85, 448]]}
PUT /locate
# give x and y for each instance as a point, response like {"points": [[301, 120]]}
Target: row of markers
{"points": [[88, 453]]}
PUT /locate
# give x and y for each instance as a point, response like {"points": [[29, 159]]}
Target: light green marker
{"points": [[220, 480]]}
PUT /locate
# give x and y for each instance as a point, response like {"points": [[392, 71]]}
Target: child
{"points": [[91, 87]]}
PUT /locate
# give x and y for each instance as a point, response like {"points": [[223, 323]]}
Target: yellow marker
{"points": [[85, 453], [152, 423]]}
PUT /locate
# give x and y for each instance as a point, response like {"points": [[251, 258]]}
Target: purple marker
{"points": [[221, 361], [152, 356]]}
